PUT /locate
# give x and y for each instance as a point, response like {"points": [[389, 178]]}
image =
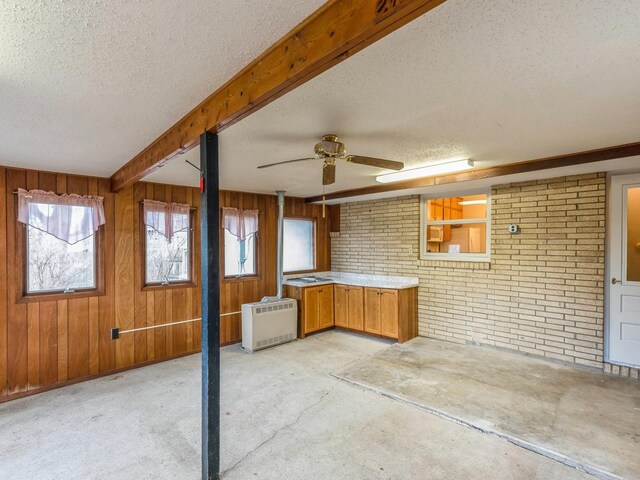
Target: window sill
{"points": [[55, 296], [244, 278], [460, 264], [170, 286]]}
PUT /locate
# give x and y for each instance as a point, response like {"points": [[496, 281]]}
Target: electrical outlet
{"points": [[513, 229]]}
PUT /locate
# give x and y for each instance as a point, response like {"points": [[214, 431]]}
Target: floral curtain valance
{"points": [[70, 218], [240, 223], [166, 218]]}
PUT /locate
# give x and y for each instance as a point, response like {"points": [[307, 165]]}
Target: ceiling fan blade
{"points": [[286, 161], [375, 162], [328, 173]]}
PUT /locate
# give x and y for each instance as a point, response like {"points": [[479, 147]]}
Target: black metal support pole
{"points": [[209, 222]]}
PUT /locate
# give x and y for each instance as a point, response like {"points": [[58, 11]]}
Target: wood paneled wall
{"points": [[49, 343], [53, 343]]}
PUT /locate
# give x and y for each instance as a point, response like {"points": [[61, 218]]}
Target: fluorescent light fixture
{"points": [[482, 201], [427, 171]]}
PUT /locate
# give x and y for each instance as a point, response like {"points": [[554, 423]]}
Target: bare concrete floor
{"points": [[283, 416], [579, 417]]}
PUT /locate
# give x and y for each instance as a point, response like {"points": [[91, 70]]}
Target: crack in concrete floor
{"points": [[579, 418], [558, 457], [279, 430]]}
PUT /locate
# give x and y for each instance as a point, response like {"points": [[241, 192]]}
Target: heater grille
{"points": [[274, 340], [272, 308]]}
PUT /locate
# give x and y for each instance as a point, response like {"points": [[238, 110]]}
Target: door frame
{"points": [[607, 264]]}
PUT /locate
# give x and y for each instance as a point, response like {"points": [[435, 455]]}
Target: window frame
{"points": [[314, 222], [192, 281], [453, 257], [24, 296], [241, 278]]}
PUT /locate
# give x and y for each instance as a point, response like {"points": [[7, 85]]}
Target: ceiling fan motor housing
{"points": [[330, 147]]}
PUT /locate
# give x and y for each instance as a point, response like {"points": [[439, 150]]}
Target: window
{"points": [[60, 245], [53, 265], [456, 228], [168, 243], [239, 255], [299, 245], [632, 257], [240, 230]]}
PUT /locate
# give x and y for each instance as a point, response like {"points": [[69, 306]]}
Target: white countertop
{"points": [[354, 279]]}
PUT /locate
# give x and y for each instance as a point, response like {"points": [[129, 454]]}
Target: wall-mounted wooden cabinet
{"points": [[440, 209], [445, 209]]}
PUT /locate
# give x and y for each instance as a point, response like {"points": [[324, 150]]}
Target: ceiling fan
{"points": [[330, 149]]}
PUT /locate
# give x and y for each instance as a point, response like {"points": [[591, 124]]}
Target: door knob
{"points": [[614, 281]]}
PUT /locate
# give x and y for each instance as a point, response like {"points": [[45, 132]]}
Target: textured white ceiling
{"points": [[86, 84], [495, 81]]}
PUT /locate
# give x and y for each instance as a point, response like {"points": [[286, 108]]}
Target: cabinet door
{"points": [[310, 310], [456, 208], [447, 209], [372, 310], [356, 308], [325, 306], [341, 293], [389, 313]]}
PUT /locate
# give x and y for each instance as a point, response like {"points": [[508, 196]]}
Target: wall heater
{"points": [[266, 324]]}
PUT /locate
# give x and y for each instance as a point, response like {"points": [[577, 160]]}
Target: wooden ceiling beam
{"points": [[330, 35], [567, 160]]}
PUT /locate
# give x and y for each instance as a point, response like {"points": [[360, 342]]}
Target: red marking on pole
{"points": [[201, 184]]}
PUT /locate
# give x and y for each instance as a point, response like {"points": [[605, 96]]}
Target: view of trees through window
{"points": [[239, 256], [167, 262], [54, 265]]}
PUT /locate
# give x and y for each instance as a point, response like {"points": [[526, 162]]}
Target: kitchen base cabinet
{"points": [[356, 308], [391, 313], [407, 314], [382, 312], [341, 305], [315, 307], [372, 310], [349, 307], [324, 295]]}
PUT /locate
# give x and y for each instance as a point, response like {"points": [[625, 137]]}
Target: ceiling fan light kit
{"points": [[427, 171]]}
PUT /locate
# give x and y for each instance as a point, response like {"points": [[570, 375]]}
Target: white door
{"points": [[624, 270]]}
